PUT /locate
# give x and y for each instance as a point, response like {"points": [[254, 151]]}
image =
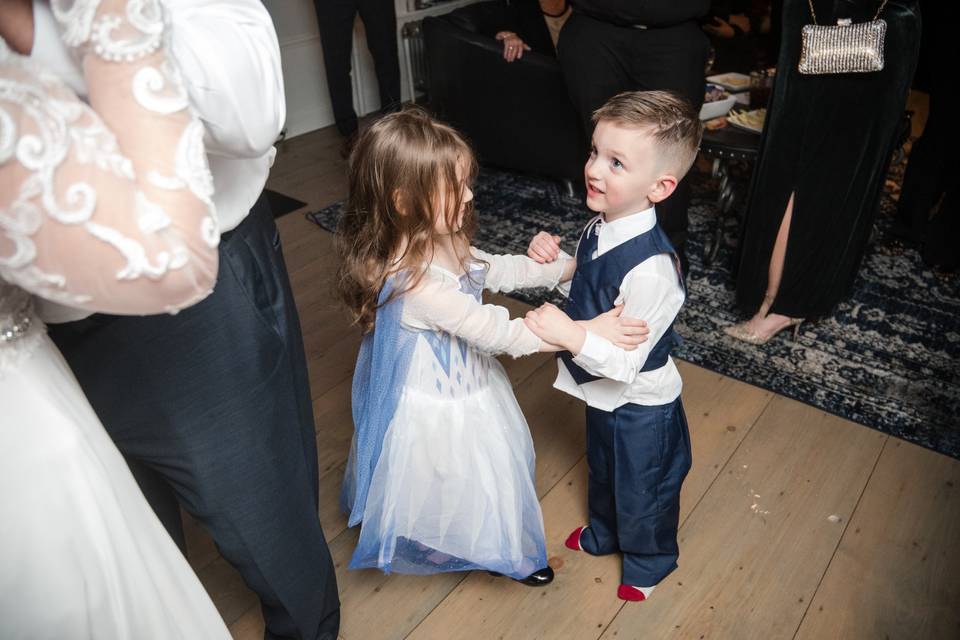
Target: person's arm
{"points": [[735, 26], [653, 13], [645, 295], [438, 304], [230, 60], [510, 272], [110, 204], [513, 45], [545, 247]]}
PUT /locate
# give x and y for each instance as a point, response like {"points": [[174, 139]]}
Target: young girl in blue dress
{"points": [[441, 468]]}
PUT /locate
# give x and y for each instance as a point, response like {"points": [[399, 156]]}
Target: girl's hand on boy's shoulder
{"points": [[544, 247]]}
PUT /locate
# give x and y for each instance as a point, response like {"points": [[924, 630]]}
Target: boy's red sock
{"points": [[634, 594], [624, 591], [573, 540]]}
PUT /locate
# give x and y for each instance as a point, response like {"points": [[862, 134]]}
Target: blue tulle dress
{"points": [[441, 469]]}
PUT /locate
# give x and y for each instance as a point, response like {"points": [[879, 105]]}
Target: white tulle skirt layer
{"points": [[454, 487]]}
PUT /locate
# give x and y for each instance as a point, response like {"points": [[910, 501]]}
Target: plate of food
{"points": [[749, 120], [731, 81], [716, 102], [715, 123]]}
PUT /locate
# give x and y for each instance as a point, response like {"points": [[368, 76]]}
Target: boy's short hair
{"points": [[670, 120]]}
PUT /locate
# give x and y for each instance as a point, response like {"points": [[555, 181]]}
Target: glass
{"points": [[761, 86]]}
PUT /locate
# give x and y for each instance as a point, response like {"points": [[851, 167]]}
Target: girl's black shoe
{"points": [[539, 578]]}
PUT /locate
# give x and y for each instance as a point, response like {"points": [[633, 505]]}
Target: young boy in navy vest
{"points": [[638, 445]]}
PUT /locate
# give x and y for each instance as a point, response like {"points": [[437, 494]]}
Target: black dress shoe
{"points": [[539, 578]]}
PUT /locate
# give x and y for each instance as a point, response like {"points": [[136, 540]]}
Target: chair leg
{"points": [[726, 201], [719, 171]]}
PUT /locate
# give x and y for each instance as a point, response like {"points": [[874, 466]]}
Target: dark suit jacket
{"points": [[652, 13]]}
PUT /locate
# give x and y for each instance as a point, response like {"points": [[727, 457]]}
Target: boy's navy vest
{"points": [[596, 285]]}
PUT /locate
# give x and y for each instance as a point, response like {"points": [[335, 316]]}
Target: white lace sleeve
{"points": [[437, 303], [105, 207]]}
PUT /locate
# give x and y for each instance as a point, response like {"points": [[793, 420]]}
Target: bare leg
{"points": [[776, 265], [763, 324]]}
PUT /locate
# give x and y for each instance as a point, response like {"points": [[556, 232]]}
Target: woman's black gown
{"points": [[828, 139]]}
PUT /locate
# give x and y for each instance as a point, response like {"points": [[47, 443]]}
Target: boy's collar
{"points": [[636, 218], [626, 227]]}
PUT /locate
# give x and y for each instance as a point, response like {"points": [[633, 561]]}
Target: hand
{"points": [[624, 332], [720, 28], [552, 325], [740, 21], [544, 247], [513, 46]]}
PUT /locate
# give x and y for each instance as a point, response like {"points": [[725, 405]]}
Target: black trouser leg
{"points": [[380, 22], [335, 19]]}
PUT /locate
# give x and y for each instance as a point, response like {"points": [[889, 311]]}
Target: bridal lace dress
{"points": [[104, 208]]}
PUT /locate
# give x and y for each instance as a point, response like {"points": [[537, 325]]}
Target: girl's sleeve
{"points": [[438, 304], [510, 272]]}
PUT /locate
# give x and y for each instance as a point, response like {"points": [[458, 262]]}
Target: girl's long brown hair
{"points": [[402, 170]]}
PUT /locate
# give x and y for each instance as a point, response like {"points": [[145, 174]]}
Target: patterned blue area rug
{"points": [[889, 358]]}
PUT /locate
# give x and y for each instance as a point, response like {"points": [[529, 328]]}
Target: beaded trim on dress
{"points": [[20, 329]]}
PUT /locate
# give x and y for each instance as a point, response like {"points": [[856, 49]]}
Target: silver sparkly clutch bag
{"points": [[844, 48]]}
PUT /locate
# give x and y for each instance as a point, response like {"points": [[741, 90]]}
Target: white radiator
{"points": [[415, 58], [413, 62]]}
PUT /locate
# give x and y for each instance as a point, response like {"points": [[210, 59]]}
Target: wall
{"points": [[308, 101]]}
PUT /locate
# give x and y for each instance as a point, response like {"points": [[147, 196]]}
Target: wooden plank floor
{"points": [[794, 523]]}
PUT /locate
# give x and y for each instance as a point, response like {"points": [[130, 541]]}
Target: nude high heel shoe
{"points": [[741, 332]]}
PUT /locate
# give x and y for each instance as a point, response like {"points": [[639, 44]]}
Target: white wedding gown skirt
{"points": [[82, 555]]}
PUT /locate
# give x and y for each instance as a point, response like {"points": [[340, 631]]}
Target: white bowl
{"points": [[731, 81], [717, 108]]}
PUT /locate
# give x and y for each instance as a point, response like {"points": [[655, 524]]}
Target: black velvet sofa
{"points": [[516, 115]]}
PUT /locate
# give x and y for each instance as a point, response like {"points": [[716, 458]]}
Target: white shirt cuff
{"points": [[564, 287], [536, 349], [594, 352]]}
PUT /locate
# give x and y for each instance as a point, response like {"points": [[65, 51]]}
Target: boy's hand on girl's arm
{"points": [[552, 325], [624, 332], [544, 247]]}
